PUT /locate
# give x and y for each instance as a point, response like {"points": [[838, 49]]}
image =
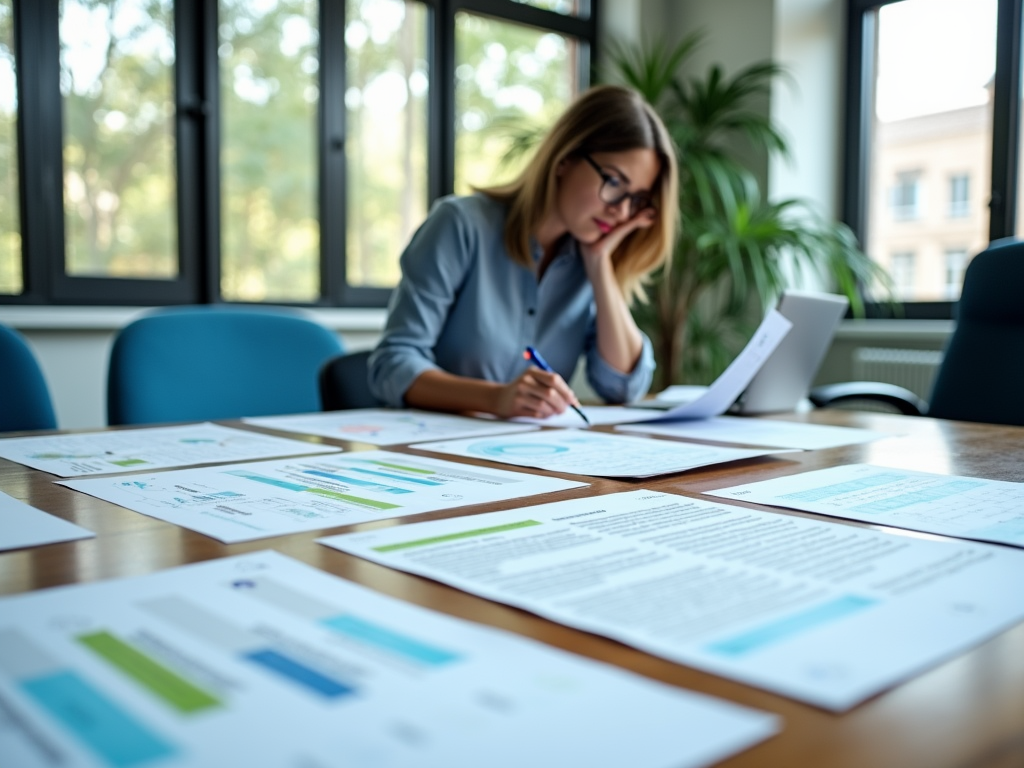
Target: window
{"points": [[956, 264], [177, 151], [906, 196], [901, 270], [959, 196], [932, 88]]}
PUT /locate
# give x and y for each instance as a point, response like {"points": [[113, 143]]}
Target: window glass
{"points": [[959, 196], [565, 7], [386, 135], [270, 235], [117, 84], [902, 270], [10, 227], [956, 263], [511, 83], [931, 132]]}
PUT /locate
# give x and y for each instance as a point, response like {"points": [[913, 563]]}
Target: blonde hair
{"points": [[606, 118]]}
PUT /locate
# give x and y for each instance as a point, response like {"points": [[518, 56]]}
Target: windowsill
{"points": [[52, 318], [919, 330]]}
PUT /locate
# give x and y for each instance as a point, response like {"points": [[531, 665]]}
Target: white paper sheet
{"points": [[384, 426], [967, 507], [260, 660], [242, 502], [730, 385], [826, 613], [597, 454], [765, 432], [22, 525], [715, 400], [129, 450]]}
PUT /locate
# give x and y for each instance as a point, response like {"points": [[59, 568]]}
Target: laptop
{"points": [[785, 377]]}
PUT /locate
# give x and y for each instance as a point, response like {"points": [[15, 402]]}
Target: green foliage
{"points": [[734, 246]]}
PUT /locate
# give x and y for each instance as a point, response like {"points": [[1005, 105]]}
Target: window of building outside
{"points": [[906, 196], [929, 71], [902, 271], [956, 263], [276, 151], [959, 196]]}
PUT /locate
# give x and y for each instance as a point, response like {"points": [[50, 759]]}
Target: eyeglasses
{"points": [[613, 190]]}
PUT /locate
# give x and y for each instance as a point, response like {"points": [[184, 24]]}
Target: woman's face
{"points": [[586, 183]]}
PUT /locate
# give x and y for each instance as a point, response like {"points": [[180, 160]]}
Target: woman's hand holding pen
{"points": [[536, 393]]}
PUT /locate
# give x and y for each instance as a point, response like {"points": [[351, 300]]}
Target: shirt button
{"points": [[531, 312]]}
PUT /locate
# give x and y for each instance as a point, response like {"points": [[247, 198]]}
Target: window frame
{"points": [[197, 148], [861, 34]]}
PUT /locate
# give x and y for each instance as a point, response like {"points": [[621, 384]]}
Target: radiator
{"points": [[911, 368]]}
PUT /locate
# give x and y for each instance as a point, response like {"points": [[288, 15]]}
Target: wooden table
{"points": [[965, 713]]}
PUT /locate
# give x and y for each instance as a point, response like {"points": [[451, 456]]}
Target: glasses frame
{"points": [[638, 201]]}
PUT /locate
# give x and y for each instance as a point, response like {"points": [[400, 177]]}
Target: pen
{"points": [[534, 357]]}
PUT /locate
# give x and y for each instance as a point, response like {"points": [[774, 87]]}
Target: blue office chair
{"points": [[199, 363], [982, 373], [24, 397]]}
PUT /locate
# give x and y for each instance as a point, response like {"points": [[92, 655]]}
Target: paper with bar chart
{"points": [[260, 660], [22, 525], [130, 450], [387, 426], [600, 454], [826, 613], [242, 502], [967, 507]]}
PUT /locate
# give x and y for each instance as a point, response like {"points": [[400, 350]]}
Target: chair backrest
{"points": [[982, 374], [344, 383], [24, 397], [197, 363]]}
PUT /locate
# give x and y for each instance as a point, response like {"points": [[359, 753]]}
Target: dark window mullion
{"points": [[1005, 121], [37, 53], [331, 140], [521, 13]]}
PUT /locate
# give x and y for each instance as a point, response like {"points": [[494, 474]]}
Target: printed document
{"points": [[966, 507], [260, 660], [826, 613], [25, 526], [765, 432], [388, 426], [129, 450], [242, 502], [592, 453], [715, 400]]}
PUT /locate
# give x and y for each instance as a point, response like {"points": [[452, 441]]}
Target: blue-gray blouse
{"points": [[464, 306]]}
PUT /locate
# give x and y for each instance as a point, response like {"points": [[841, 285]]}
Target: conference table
{"points": [[968, 712]]}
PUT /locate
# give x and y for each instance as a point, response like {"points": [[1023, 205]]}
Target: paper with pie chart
{"points": [[387, 426], [599, 454], [130, 450], [261, 660], [242, 502]]}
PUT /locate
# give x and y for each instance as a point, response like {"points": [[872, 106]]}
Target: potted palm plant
{"points": [[737, 251]]}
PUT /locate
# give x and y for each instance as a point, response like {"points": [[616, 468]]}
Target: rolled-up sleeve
{"points": [[433, 267], [614, 386]]}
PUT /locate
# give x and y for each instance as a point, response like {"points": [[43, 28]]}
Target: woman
{"points": [[549, 260]]}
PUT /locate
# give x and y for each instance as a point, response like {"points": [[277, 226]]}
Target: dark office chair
{"points": [[199, 363], [24, 397], [344, 383], [982, 373]]}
